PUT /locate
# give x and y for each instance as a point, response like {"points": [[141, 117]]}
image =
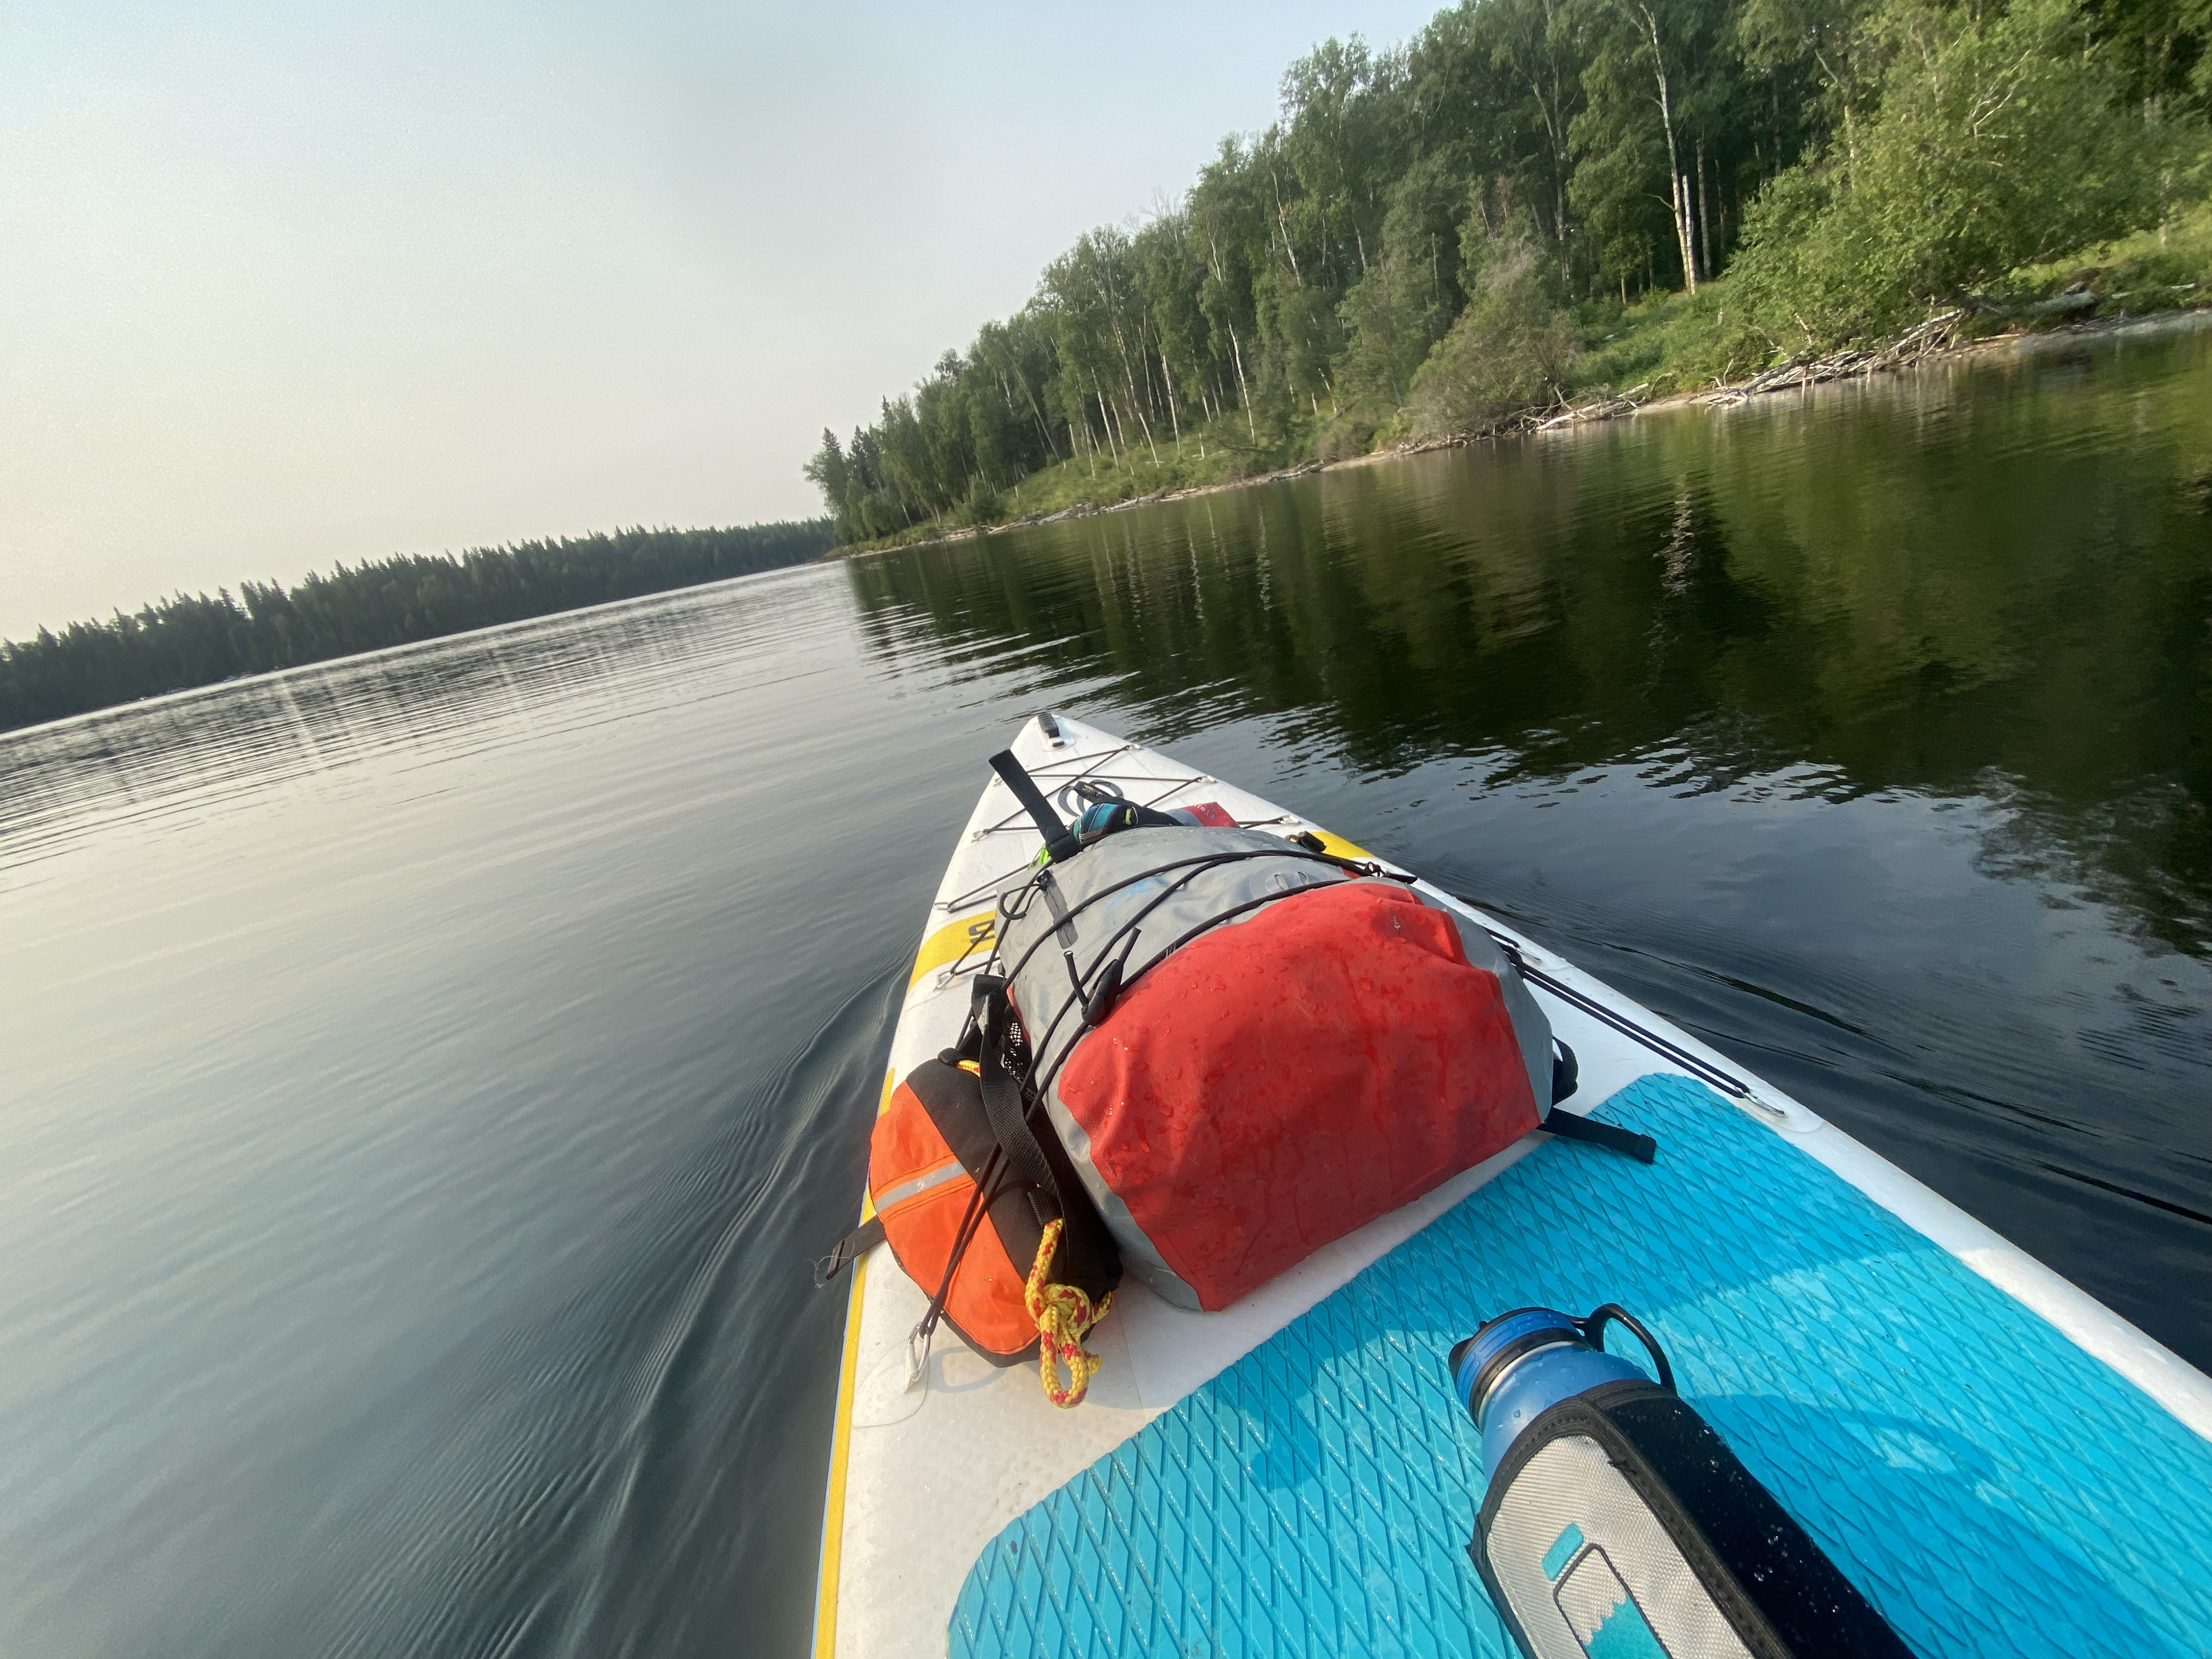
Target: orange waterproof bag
{"points": [[930, 1149]]}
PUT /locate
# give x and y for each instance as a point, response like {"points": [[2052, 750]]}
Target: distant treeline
{"points": [[193, 640], [1429, 235]]}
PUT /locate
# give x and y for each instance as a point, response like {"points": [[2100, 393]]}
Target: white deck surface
{"points": [[922, 1479]]}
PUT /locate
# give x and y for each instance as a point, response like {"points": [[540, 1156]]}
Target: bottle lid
{"points": [[1479, 1360]]}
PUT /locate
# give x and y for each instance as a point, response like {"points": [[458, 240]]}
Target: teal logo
{"points": [[1596, 1603]]}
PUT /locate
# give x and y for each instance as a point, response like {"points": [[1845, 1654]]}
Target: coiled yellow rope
{"points": [[1063, 1313]]}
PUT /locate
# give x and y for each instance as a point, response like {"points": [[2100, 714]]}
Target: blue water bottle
{"points": [[1615, 1524], [1522, 1363]]}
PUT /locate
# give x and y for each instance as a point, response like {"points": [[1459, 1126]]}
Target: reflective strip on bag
{"points": [[922, 1183]]}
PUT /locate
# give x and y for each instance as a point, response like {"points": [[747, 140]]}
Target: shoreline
{"points": [[1931, 343]]}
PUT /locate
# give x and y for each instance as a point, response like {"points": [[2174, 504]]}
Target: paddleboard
{"points": [[2000, 1463]]}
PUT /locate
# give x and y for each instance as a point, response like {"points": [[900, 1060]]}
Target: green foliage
{"points": [[2155, 270], [1397, 311], [2158, 48], [193, 640], [1626, 231], [1665, 341], [1844, 162], [1512, 347], [1999, 142], [1832, 44]]}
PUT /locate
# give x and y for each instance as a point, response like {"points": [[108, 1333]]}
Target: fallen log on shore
{"points": [[1938, 333], [1602, 409]]}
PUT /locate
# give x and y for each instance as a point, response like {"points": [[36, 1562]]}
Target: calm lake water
{"points": [[425, 1080]]}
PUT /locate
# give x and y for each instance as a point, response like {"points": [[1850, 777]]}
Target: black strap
{"points": [[1568, 1126], [1002, 1088], [850, 1249], [1086, 1249], [1058, 841]]}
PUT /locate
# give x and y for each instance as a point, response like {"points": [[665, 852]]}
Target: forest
{"points": [[1532, 198], [193, 640]]}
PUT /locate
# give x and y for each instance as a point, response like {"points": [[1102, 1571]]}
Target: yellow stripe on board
{"points": [[1341, 848], [868, 1199], [970, 936], [840, 1445]]}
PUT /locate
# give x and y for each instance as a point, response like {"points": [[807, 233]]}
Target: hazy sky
{"points": [[285, 284]]}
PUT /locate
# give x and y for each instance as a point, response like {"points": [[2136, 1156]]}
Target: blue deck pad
{"points": [[1993, 1489]]}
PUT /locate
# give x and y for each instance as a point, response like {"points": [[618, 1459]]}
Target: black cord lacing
{"points": [[986, 1193], [1008, 912]]}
